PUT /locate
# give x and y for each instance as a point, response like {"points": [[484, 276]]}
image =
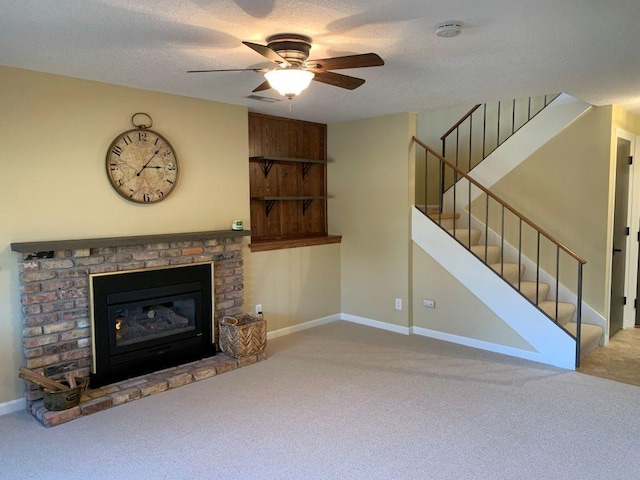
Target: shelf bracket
{"points": [[306, 204], [268, 205], [266, 165], [305, 169]]}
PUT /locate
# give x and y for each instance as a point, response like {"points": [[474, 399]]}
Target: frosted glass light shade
{"points": [[289, 82]]}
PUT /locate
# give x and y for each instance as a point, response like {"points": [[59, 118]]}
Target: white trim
{"points": [[13, 406], [631, 255], [375, 324], [302, 326], [480, 344]]}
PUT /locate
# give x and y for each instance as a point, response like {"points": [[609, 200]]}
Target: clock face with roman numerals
{"points": [[142, 166]]}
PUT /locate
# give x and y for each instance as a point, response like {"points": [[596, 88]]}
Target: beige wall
{"points": [[431, 125], [626, 120], [564, 187], [294, 285], [458, 311], [368, 180], [55, 132]]}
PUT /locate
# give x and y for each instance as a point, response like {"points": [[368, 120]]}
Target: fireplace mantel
{"points": [[57, 245]]}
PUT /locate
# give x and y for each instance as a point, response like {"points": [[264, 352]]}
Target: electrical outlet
{"points": [[258, 309], [428, 303], [398, 304]]}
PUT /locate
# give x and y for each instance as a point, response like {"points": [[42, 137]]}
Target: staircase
{"points": [[492, 150], [512, 265], [536, 292]]}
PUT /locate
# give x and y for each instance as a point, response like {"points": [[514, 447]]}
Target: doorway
{"points": [[621, 232]]}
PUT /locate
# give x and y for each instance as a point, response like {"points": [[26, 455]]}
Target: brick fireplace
{"points": [[54, 289]]}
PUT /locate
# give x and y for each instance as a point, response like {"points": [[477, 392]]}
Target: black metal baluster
{"points": [[538, 270], [441, 193], [486, 228], [557, 277], [457, 144], [498, 129], [469, 215], [502, 246], [519, 253], [455, 204], [579, 315], [484, 133], [426, 182], [444, 154]]}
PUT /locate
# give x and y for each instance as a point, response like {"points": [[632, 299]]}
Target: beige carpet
{"points": [[619, 360], [344, 401]]}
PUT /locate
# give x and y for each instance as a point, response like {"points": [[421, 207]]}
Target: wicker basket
{"points": [[242, 336]]}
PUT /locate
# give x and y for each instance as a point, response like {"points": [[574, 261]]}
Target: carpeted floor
{"points": [[344, 401], [619, 360]]}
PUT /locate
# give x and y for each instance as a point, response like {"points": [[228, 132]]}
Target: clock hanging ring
{"points": [[141, 164]]}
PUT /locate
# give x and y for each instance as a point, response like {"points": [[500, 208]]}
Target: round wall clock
{"points": [[142, 166]]}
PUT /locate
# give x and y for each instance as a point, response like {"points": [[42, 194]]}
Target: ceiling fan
{"points": [[293, 72]]}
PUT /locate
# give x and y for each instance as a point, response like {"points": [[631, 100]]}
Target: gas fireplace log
{"points": [[39, 379]]}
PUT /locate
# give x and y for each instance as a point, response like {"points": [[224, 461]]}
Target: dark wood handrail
{"points": [[502, 202], [459, 122]]}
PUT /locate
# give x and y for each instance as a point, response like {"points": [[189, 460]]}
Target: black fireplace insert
{"points": [[149, 320]]}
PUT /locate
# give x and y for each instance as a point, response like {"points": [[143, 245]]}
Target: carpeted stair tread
{"points": [[462, 235], [528, 289], [565, 310], [590, 336], [510, 271], [514, 274], [493, 253], [445, 220]]}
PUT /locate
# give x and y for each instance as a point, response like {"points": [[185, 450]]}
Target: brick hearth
{"points": [[99, 399], [54, 293]]}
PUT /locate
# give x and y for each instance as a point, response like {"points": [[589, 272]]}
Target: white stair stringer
{"points": [[551, 120], [552, 344]]}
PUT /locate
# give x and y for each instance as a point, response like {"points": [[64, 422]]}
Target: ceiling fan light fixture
{"points": [[289, 82]]}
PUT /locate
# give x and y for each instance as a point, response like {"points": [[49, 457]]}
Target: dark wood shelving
{"points": [[267, 163], [284, 159], [269, 202], [288, 182], [311, 197]]}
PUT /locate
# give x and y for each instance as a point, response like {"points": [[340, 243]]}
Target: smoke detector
{"points": [[449, 28]]}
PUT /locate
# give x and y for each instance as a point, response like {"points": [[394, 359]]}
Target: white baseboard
{"points": [[374, 323], [13, 406], [302, 326], [479, 344], [339, 316]]}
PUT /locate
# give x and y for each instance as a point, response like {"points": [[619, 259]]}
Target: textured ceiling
{"points": [[508, 49]]}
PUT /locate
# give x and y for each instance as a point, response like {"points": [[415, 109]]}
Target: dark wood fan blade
{"points": [[230, 70], [338, 80], [349, 61], [267, 53], [263, 86]]}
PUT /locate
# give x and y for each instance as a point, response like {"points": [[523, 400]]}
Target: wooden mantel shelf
{"points": [[264, 246], [76, 244]]}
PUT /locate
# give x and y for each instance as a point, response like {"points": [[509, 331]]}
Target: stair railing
{"points": [[509, 225], [487, 126]]}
